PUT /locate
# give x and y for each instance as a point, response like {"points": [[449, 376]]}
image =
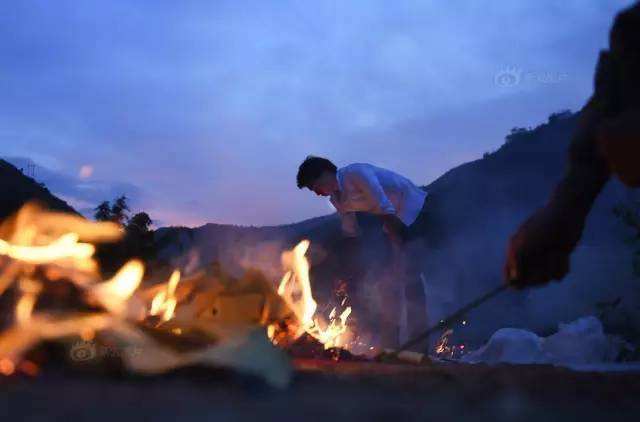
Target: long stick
{"points": [[453, 317]]}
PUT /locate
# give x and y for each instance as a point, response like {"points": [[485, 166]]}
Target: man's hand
{"points": [[394, 228], [540, 250]]}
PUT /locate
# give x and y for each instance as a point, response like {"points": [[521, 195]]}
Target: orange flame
{"points": [[56, 245], [25, 305], [55, 242], [295, 289], [164, 302], [116, 293]]}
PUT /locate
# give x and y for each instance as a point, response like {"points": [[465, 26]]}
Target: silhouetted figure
{"points": [[605, 143]]}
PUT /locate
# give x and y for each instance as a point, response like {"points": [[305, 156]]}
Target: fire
{"points": [[442, 347], [164, 302], [295, 289], [331, 336], [115, 294], [66, 246], [25, 305], [39, 247], [57, 245], [446, 349]]}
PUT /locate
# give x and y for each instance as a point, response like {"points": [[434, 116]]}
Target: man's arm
{"points": [[367, 181], [606, 141], [619, 137], [619, 140], [587, 170]]}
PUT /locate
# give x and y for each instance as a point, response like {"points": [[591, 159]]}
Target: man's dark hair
{"points": [[311, 168]]}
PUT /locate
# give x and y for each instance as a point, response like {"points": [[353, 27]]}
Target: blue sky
{"points": [[201, 111]]}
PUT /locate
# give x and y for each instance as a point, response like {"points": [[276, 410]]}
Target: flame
{"points": [[24, 307], [38, 247], [332, 335], [115, 294], [57, 245], [164, 302], [283, 283], [442, 346], [66, 246], [295, 289], [295, 286], [57, 241], [301, 271], [446, 349]]}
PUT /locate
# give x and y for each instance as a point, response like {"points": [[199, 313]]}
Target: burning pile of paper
{"points": [[208, 319]]}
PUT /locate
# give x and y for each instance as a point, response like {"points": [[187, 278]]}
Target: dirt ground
{"points": [[328, 391]]}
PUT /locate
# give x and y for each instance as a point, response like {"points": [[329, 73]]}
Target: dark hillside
{"points": [[16, 189]]}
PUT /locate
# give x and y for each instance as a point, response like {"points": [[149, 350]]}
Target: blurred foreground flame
{"points": [[164, 303], [39, 248], [206, 320]]}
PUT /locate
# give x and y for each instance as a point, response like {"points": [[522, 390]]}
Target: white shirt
{"points": [[367, 188]]}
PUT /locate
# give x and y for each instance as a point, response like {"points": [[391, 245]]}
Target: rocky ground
{"points": [[328, 391]]}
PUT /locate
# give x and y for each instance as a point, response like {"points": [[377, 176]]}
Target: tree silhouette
{"points": [[119, 210], [103, 211], [137, 242], [560, 115], [517, 133], [140, 222]]}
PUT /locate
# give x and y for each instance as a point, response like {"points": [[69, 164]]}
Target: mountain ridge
{"points": [[16, 189]]}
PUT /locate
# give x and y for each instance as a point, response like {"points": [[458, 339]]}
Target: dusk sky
{"points": [[201, 111]]}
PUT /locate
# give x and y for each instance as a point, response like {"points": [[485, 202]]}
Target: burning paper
{"points": [[40, 248]]}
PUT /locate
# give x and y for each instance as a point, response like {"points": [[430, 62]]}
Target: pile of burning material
{"points": [[51, 292], [41, 251]]}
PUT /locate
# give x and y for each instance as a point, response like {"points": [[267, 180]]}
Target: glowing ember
{"points": [[6, 367], [445, 349], [29, 368]]}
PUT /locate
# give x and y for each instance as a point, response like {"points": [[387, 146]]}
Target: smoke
{"points": [[469, 263]]}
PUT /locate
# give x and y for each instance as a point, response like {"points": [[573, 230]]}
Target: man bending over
{"points": [[361, 187]]}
